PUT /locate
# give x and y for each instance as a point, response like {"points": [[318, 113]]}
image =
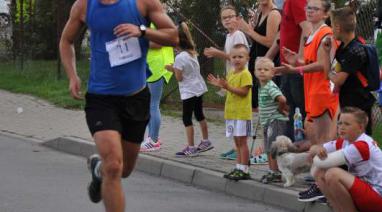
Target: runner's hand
{"points": [[75, 88], [130, 30]]}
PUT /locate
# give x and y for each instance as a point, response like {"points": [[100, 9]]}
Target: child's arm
{"points": [[222, 83], [214, 52], [177, 72], [283, 107], [240, 91]]}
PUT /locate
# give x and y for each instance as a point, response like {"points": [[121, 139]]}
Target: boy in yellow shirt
{"points": [[238, 108]]}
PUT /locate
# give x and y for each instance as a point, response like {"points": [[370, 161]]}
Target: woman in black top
{"points": [[262, 31]]}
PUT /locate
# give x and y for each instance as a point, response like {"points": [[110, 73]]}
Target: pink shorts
{"points": [[365, 198]]}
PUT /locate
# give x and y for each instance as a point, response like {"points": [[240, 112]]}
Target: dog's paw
{"points": [[288, 184]]}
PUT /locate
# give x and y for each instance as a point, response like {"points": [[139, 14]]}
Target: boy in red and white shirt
{"points": [[359, 188]]}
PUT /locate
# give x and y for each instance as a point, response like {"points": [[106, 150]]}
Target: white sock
{"points": [[238, 166], [244, 168], [97, 170]]}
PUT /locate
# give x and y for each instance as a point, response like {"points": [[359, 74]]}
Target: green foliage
{"points": [[379, 46]]}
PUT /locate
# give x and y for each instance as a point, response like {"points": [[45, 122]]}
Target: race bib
{"points": [[123, 50]]}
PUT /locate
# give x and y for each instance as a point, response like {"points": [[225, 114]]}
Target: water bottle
{"points": [[297, 122]]}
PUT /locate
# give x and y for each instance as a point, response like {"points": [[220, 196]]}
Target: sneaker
{"points": [[230, 174], [188, 152], [94, 187], [224, 155], [150, 146], [313, 186], [323, 201], [271, 177], [312, 194], [259, 159], [231, 156], [240, 175], [205, 146]]}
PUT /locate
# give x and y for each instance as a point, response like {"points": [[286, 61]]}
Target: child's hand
{"points": [[169, 68], [285, 68], [284, 109], [216, 81], [318, 150], [210, 52]]}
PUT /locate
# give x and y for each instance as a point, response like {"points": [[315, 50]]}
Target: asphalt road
{"points": [[36, 179]]}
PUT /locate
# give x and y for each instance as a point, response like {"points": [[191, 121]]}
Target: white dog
{"points": [[290, 164]]}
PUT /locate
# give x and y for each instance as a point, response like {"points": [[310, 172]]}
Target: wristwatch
{"points": [[142, 28]]}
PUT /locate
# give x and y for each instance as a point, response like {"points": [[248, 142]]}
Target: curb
{"points": [[199, 177]]}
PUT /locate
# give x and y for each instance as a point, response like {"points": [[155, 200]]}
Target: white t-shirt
{"points": [[363, 157], [237, 37], [193, 83]]}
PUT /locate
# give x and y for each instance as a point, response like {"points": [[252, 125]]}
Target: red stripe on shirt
{"points": [[363, 149], [339, 143]]}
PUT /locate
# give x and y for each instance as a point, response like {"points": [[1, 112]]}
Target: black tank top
{"points": [[258, 49]]}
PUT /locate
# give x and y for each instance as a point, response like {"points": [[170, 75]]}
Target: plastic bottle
{"points": [[298, 128]]}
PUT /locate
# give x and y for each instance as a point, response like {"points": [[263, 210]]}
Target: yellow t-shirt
{"points": [[238, 107]]}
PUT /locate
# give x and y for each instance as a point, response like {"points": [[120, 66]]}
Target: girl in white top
{"points": [[191, 87]]}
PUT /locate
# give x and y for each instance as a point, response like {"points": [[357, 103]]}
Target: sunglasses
{"points": [[228, 17]]}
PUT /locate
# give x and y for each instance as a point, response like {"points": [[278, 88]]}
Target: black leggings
{"points": [[193, 104]]}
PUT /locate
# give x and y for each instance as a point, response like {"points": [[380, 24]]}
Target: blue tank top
{"points": [[101, 19]]}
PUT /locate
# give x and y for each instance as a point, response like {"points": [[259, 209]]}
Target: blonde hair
{"points": [[264, 60]]}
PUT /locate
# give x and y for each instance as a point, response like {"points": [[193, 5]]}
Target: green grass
{"points": [[39, 78], [377, 134]]}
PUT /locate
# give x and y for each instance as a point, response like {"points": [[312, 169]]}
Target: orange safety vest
{"points": [[318, 96]]}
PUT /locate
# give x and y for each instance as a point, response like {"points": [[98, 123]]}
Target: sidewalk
{"points": [[43, 121]]}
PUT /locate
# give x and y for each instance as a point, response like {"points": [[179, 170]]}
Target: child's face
{"points": [[348, 127], [264, 71], [315, 11], [229, 19], [239, 58]]}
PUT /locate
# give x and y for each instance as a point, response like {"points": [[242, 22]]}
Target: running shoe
{"points": [[188, 152], [94, 187], [205, 146], [150, 146]]}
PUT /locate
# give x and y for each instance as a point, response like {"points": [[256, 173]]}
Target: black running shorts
{"points": [[129, 115]]}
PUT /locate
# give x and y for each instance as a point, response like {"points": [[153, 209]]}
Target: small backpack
{"points": [[370, 78]]}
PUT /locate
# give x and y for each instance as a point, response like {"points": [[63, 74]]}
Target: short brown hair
{"points": [[359, 115], [346, 18]]}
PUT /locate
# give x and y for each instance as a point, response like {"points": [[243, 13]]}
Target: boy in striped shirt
{"points": [[273, 113]]}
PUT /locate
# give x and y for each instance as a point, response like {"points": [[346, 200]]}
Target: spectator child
{"points": [[238, 108], [192, 87], [229, 19], [359, 188], [273, 113], [351, 60]]}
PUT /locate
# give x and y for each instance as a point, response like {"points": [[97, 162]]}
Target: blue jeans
{"points": [[156, 89]]}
